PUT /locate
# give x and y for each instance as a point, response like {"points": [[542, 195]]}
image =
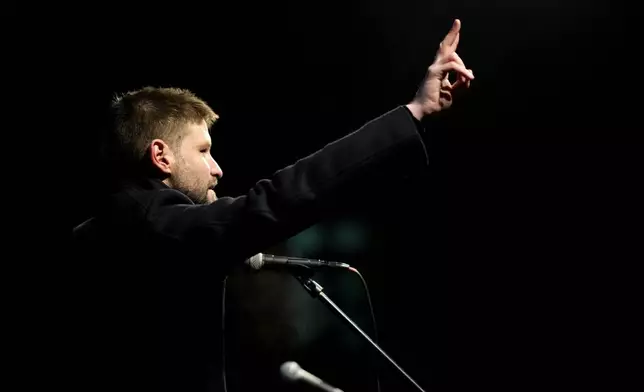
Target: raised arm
{"points": [[295, 197]]}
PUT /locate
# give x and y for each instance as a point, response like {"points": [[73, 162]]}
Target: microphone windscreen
{"points": [[256, 262], [290, 370]]}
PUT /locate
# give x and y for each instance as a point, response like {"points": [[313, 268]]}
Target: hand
{"points": [[435, 93]]}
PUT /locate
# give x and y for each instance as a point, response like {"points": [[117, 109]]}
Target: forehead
{"points": [[196, 133]]}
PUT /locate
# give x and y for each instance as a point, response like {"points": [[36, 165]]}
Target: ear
{"points": [[161, 156]]}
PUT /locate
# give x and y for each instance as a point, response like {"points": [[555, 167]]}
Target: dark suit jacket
{"points": [[151, 313]]}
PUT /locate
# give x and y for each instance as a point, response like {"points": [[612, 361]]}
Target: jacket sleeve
{"points": [[338, 175]]}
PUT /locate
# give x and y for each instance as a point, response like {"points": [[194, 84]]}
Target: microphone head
{"points": [[290, 370], [256, 262]]}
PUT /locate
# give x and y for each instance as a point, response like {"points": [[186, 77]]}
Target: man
{"points": [[162, 237]]}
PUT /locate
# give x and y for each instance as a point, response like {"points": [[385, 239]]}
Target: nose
{"points": [[215, 170]]}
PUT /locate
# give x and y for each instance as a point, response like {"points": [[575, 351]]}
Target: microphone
{"points": [[291, 371], [259, 260]]}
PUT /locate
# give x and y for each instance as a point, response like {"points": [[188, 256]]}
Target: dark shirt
{"points": [[153, 260]]}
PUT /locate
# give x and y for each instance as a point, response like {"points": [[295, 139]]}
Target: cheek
{"points": [[194, 167], [206, 163]]}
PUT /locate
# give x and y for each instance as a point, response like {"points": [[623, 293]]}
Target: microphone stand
{"points": [[304, 275]]}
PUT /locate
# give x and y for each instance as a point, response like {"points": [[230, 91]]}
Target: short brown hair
{"points": [[139, 117]]}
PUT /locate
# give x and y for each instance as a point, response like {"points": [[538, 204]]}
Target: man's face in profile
{"points": [[195, 173]]}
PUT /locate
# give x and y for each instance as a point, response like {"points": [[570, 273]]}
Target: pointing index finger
{"points": [[450, 38]]}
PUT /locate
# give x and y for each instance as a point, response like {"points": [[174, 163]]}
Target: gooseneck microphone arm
{"points": [[304, 276]]}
